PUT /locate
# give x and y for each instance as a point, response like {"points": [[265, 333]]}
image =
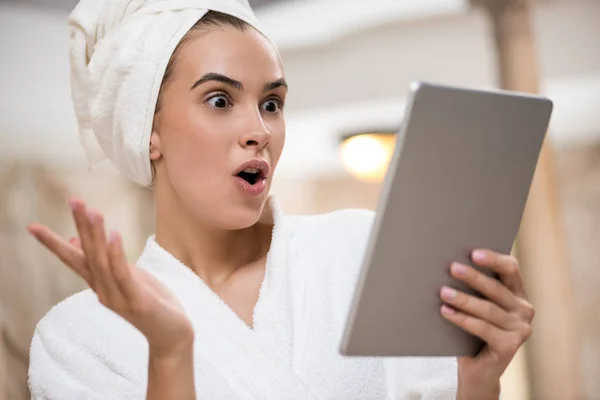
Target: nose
{"points": [[257, 136]]}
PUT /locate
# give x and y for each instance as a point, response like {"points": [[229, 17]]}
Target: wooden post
{"points": [[552, 350]]}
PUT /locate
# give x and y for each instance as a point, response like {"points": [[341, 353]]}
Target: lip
{"points": [[253, 190], [260, 185], [258, 164]]}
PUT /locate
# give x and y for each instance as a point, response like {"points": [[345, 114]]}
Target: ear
{"points": [[155, 148]]}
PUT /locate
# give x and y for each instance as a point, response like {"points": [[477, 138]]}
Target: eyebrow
{"points": [[216, 77], [275, 85]]}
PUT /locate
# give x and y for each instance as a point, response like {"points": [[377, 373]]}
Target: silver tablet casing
{"points": [[458, 180]]}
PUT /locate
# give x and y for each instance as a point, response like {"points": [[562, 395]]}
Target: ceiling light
{"points": [[366, 156]]}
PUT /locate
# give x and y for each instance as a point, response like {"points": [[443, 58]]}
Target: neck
{"points": [[205, 249]]}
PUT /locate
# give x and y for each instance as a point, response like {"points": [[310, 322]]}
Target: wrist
{"points": [[481, 383], [478, 390], [180, 349], [171, 372]]}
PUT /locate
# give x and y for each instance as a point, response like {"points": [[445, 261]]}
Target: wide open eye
{"points": [[271, 105], [219, 101]]}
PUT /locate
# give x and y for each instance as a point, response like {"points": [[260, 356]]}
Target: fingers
{"points": [[85, 236], [70, 255], [475, 326], [74, 241], [479, 308], [503, 318], [503, 343], [506, 266], [491, 288], [99, 262], [107, 266], [119, 267], [102, 264]]}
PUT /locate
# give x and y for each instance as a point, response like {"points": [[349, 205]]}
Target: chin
{"points": [[240, 216]]}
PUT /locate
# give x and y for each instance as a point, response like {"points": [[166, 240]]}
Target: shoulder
{"points": [[79, 320], [67, 326], [80, 312], [77, 340]]}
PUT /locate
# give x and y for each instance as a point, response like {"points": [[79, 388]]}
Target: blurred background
{"points": [[349, 64]]}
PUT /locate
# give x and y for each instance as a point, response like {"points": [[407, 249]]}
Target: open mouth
{"points": [[253, 173], [250, 175]]}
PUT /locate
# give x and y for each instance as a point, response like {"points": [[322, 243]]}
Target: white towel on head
{"points": [[119, 52]]}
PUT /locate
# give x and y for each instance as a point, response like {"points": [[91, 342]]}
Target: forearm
{"points": [[171, 375]]}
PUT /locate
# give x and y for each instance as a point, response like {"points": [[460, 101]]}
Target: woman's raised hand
{"points": [[129, 291]]}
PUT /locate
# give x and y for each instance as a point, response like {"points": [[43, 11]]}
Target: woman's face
{"points": [[221, 113]]}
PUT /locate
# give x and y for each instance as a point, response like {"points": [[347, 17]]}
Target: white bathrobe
{"points": [[82, 350]]}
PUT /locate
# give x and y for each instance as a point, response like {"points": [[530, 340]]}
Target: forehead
{"points": [[241, 54]]}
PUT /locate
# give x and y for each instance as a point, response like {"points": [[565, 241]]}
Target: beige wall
{"points": [[579, 173], [299, 196]]}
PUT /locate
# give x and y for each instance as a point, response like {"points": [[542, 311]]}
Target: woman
{"points": [[230, 299]]}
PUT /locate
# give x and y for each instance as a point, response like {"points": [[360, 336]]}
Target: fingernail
{"points": [[91, 215], [72, 204], [448, 293], [460, 269], [478, 255], [112, 237], [448, 310]]}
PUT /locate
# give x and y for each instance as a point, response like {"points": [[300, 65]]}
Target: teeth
{"points": [[251, 171]]}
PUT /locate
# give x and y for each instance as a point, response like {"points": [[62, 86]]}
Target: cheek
{"points": [[199, 144]]}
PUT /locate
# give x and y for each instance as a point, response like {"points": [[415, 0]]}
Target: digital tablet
{"points": [[458, 180]]}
